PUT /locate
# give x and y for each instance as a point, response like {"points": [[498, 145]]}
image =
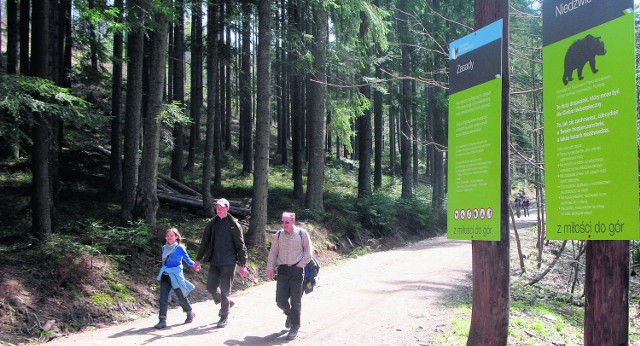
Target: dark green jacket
{"points": [[205, 250]]}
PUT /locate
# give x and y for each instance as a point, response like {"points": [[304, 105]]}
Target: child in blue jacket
{"points": [[171, 277]]}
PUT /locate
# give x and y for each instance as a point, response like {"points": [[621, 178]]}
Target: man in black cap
{"points": [[222, 245]]}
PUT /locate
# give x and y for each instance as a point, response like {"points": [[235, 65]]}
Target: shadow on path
{"points": [[271, 339]]}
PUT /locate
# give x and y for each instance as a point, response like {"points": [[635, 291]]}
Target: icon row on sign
{"points": [[473, 214]]}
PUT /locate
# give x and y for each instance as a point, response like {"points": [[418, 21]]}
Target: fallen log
{"points": [[178, 185], [195, 203], [162, 187], [180, 194], [181, 201]]}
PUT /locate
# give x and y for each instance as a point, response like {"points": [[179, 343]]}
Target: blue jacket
{"points": [[173, 268]]}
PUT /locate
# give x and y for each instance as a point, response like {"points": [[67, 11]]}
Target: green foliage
{"points": [[118, 242], [93, 238], [172, 114], [22, 96], [58, 245], [359, 251], [382, 214], [344, 111], [378, 213], [102, 299], [416, 216]]}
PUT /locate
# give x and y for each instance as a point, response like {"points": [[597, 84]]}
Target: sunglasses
{"points": [[286, 222]]}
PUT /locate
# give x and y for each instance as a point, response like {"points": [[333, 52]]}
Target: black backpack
{"points": [[311, 270]]}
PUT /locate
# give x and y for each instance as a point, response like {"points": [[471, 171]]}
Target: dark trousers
{"points": [[219, 284], [165, 288], [289, 292]]}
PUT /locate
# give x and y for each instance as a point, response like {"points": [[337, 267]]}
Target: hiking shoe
{"points": [[287, 323], [224, 320], [293, 333], [161, 324], [190, 316]]}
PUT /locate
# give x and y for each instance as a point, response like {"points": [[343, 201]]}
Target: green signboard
{"points": [[591, 155], [475, 88]]}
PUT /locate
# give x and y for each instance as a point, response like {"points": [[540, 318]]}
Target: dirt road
{"points": [[395, 297]]}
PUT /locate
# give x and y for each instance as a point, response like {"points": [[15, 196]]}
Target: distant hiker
{"points": [[517, 203], [290, 252], [222, 246], [525, 206], [171, 277]]}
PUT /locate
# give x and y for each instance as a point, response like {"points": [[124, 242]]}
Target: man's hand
{"points": [[270, 274], [243, 271], [196, 266]]}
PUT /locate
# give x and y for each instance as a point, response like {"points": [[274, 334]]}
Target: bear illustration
{"points": [[579, 53]]}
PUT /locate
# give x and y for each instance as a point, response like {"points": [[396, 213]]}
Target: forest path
{"points": [[397, 297]]}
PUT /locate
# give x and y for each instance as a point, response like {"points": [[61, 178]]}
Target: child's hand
{"points": [[243, 271]]}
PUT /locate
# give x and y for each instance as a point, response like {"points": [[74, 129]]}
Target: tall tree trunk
{"points": [[415, 134], [94, 44], [297, 104], [217, 131], [221, 98], [490, 259], [41, 195], [256, 235], [25, 18], [148, 194], [177, 155], [56, 74], [13, 37], [1, 64], [115, 171], [315, 177], [439, 136], [377, 123], [279, 78], [168, 89], [212, 81], [246, 117], [10, 143], [606, 293], [364, 124], [392, 138], [227, 113], [438, 131], [405, 112], [364, 148], [286, 99], [67, 14], [196, 81], [135, 57]]}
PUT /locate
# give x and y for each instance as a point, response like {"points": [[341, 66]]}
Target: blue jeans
{"points": [[165, 288], [289, 292], [219, 283]]}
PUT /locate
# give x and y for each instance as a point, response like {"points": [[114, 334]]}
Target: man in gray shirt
{"points": [[290, 252], [222, 245]]}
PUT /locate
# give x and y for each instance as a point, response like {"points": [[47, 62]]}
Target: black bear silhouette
{"points": [[579, 53]]}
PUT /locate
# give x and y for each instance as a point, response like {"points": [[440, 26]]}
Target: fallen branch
{"points": [[555, 260], [515, 231]]}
